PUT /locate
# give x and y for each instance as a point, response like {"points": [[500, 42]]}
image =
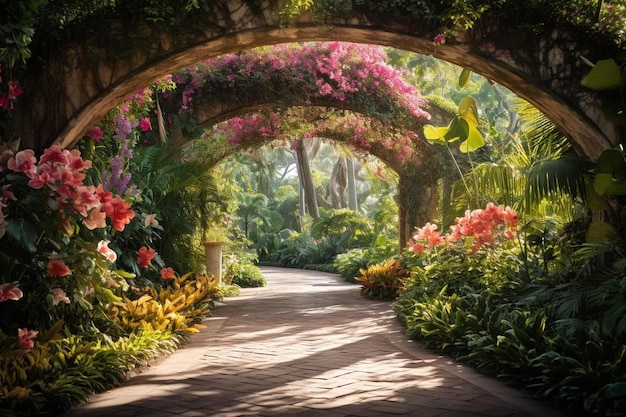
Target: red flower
{"points": [[26, 337], [57, 268], [145, 256], [95, 133], [168, 273], [145, 124], [10, 291], [119, 212]]}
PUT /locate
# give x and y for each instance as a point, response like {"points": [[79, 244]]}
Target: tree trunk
{"points": [[417, 203], [306, 179], [352, 202]]}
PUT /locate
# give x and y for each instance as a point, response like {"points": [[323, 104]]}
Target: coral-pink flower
{"points": [[145, 256], [26, 337], [168, 273], [57, 268], [55, 155], [103, 248], [24, 161], [58, 295], [10, 291]]}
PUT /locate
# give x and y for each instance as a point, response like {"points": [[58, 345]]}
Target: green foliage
{"points": [[249, 276], [348, 264], [350, 228], [547, 316]]}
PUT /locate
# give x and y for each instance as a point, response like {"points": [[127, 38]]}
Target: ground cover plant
{"points": [[478, 294]]}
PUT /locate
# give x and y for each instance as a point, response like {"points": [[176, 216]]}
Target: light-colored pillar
{"points": [[213, 252]]}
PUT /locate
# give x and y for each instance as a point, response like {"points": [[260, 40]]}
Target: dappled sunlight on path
{"points": [[308, 345]]}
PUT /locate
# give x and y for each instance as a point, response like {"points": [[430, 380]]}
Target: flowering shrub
{"points": [[490, 226], [477, 252], [51, 224]]}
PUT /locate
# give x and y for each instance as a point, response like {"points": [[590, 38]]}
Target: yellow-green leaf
{"points": [[605, 75], [435, 134], [464, 77], [469, 111], [473, 141]]}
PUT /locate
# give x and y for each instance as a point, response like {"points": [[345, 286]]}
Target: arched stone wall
{"points": [[69, 91]]}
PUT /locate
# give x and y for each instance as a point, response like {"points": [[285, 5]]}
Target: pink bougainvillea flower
{"points": [[10, 291], [58, 295], [26, 337], [145, 124], [57, 268], [145, 256], [14, 89], [168, 273], [103, 248], [95, 133], [24, 161], [440, 39]]}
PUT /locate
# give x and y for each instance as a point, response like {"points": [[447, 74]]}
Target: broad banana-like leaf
{"points": [[600, 232], [469, 111], [612, 161], [436, 134], [605, 184], [605, 75], [464, 77], [473, 141]]}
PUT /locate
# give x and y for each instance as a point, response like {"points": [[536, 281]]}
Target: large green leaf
{"points": [[612, 161], [606, 184], [605, 75], [600, 232]]}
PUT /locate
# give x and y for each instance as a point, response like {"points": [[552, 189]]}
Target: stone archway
{"points": [[71, 89]]}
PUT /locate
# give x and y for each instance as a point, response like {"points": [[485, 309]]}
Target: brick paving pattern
{"points": [[308, 345]]}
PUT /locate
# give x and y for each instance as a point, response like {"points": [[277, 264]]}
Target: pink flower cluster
{"points": [[488, 226], [14, 91], [61, 173]]}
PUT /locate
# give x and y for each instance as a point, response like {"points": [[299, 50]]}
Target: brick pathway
{"points": [[308, 345]]}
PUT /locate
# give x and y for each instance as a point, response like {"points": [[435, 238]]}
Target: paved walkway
{"points": [[308, 345]]}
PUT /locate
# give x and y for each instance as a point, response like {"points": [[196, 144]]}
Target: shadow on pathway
{"points": [[308, 345]]}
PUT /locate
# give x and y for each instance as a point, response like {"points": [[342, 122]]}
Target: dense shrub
{"points": [[249, 276], [383, 280]]}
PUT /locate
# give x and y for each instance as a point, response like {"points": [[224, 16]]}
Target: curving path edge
{"points": [[308, 345]]}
